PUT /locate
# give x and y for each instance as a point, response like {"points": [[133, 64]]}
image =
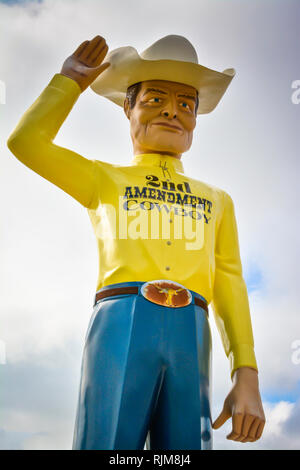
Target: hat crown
{"points": [[172, 47]]}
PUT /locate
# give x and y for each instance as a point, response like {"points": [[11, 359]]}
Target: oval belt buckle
{"points": [[166, 293]]}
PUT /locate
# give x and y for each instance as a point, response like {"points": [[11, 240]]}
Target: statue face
{"points": [[163, 118]]}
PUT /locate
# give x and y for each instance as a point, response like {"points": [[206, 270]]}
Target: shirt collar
{"points": [[157, 159]]}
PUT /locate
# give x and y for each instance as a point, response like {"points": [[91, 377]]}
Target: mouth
{"points": [[168, 126]]}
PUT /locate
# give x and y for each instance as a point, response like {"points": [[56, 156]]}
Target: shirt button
{"points": [[168, 243], [170, 220], [167, 268]]}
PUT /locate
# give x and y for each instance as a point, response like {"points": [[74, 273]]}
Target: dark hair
{"points": [[132, 93], [134, 89]]}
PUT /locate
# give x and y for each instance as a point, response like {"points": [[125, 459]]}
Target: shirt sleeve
{"points": [[32, 143], [230, 298]]}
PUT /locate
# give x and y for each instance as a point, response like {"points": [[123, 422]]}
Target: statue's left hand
{"points": [[243, 404]]}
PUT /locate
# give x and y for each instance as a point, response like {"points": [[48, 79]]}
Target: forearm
{"points": [[32, 142], [232, 316], [230, 297], [41, 122]]}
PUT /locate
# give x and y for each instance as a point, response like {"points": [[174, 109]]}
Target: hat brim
{"points": [[128, 67]]}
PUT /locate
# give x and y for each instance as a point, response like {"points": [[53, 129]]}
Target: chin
{"points": [[166, 147]]}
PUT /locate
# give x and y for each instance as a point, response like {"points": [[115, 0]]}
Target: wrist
{"points": [[66, 84], [245, 374], [71, 76]]}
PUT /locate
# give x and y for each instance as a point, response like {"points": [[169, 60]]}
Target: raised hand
{"points": [[85, 64]]}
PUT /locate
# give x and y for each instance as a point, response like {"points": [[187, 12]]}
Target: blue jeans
{"points": [[145, 371]]}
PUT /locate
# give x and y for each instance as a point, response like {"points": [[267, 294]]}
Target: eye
{"points": [[156, 99], [185, 105]]}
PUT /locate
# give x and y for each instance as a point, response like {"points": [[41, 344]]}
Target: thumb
{"points": [[223, 416], [102, 67], [96, 71]]}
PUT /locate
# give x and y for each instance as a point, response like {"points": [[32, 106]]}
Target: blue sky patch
{"points": [[16, 2], [253, 277], [275, 396]]}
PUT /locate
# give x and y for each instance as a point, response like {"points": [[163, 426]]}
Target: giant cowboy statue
{"points": [[168, 247]]}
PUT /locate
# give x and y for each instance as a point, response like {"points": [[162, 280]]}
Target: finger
{"points": [[81, 48], [252, 431], [260, 430], [98, 55], [97, 70], [92, 46], [247, 422], [103, 66], [237, 423], [224, 416], [99, 46]]}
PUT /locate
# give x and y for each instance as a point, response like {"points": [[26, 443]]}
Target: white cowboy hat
{"points": [[171, 58]]}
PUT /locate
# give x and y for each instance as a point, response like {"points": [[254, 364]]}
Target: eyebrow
{"points": [[154, 89], [191, 97]]}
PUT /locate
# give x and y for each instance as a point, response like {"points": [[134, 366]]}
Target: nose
{"points": [[169, 110], [167, 114]]}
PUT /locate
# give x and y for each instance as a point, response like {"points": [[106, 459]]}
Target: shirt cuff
{"points": [[242, 355], [66, 84]]}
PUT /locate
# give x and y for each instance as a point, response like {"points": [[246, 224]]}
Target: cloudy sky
{"points": [[249, 146]]}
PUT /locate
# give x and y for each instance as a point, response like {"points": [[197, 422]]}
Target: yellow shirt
{"points": [[151, 220]]}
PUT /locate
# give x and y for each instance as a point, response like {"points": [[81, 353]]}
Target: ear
{"points": [[126, 108]]}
